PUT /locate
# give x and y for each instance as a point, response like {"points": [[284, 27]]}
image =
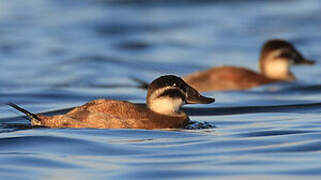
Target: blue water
{"points": [[58, 54]]}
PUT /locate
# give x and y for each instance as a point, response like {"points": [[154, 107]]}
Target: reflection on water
{"points": [[65, 53]]}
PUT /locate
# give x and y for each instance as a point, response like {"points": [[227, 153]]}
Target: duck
{"points": [[275, 61], [165, 96]]}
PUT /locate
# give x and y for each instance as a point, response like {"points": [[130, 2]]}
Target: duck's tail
{"points": [[30, 116], [141, 84]]}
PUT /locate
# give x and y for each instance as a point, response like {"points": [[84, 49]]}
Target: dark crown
{"points": [[167, 81]]}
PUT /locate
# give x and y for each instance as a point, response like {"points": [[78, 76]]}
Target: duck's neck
{"points": [[278, 68]]}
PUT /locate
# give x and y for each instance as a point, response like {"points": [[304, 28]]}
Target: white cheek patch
{"points": [[277, 68], [166, 105]]}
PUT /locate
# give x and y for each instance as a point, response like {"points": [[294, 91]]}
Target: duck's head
{"points": [[167, 94], [276, 58]]}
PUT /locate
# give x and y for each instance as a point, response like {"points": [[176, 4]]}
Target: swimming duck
{"points": [[165, 96], [276, 58]]}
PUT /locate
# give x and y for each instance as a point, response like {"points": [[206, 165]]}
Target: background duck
{"points": [[165, 96], [276, 59]]}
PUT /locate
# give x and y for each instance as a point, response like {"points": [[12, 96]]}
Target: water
{"points": [[58, 54]]}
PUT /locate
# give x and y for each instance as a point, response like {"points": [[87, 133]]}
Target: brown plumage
{"points": [[106, 113], [226, 78], [275, 60]]}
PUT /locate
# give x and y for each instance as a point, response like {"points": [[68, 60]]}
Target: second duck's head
{"points": [[276, 58], [167, 94]]}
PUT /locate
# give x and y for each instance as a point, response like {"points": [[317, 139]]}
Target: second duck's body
{"points": [[276, 58], [226, 78], [165, 97]]}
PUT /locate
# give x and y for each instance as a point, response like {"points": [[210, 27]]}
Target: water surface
{"points": [[58, 54]]}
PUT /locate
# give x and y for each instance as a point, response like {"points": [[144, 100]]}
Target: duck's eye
{"points": [[285, 54]]}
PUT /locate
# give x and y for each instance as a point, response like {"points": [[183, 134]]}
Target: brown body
{"points": [[165, 96], [226, 78], [276, 58], [104, 113]]}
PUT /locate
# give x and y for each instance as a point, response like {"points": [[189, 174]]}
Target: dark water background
{"points": [[59, 54]]}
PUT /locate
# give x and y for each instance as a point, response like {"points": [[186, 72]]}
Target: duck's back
{"points": [[226, 78], [104, 113]]}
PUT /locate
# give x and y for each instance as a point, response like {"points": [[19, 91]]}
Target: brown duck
{"points": [[276, 58], [165, 96]]}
